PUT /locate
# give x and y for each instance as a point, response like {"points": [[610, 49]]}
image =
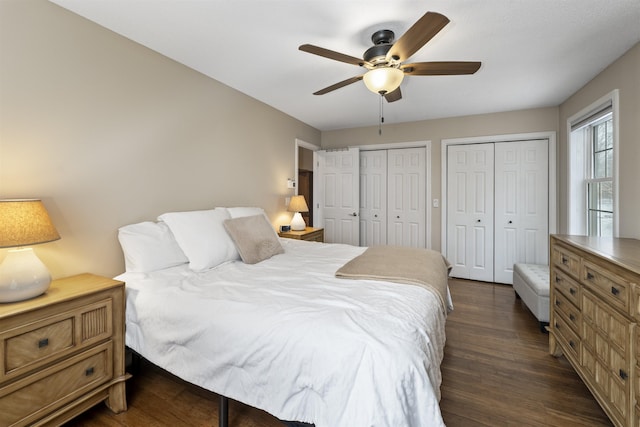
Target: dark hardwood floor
{"points": [[496, 372]]}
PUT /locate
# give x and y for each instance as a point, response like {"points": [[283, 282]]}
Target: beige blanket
{"points": [[421, 267]]}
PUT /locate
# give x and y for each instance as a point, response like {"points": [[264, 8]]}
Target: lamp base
{"points": [[297, 222], [22, 276]]}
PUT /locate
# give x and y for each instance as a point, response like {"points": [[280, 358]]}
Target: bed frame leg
{"points": [[223, 411]]}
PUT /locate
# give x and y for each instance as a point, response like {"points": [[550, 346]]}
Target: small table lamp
{"points": [[22, 274], [297, 205]]}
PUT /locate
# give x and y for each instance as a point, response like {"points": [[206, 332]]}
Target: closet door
{"points": [[337, 194], [406, 197], [521, 206], [373, 198], [470, 170]]}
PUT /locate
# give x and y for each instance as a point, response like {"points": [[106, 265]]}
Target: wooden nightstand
{"points": [[63, 352], [310, 234]]}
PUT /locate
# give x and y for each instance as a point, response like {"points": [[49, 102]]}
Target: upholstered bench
{"points": [[531, 284]]}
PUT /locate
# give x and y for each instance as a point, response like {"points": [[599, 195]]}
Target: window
{"points": [[599, 184], [592, 170]]}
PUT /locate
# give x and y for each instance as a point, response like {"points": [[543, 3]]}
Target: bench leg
{"points": [[543, 327]]}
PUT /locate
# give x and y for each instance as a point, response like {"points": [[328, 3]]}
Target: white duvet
{"points": [[288, 337]]}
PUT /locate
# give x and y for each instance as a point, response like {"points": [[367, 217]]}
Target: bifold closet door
{"points": [[470, 172], [406, 195], [373, 198], [521, 206]]}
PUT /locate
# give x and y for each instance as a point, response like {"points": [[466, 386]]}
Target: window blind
{"points": [[597, 114]]}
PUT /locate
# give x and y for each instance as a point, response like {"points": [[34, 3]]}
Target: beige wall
{"points": [[108, 133], [514, 122], [624, 75]]}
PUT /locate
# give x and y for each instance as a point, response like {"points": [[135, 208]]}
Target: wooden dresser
{"points": [[62, 352], [595, 309]]}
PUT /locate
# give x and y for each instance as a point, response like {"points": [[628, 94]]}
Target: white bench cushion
{"points": [[531, 282], [536, 275]]}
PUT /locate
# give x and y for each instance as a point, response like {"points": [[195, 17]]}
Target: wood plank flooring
{"points": [[496, 372]]}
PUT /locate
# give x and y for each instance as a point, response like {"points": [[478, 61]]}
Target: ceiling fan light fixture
{"points": [[383, 79]]}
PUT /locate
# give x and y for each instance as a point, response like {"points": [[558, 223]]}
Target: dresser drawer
{"points": [[21, 401], [614, 289], [609, 324], [569, 287], [566, 260], [570, 314], [569, 337]]}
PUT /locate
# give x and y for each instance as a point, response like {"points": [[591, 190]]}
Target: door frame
{"points": [[299, 143], [550, 136]]}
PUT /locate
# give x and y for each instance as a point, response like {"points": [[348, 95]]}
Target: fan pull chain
{"points": [[381, 115]]}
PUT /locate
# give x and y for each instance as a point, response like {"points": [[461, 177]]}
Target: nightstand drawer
{"points": [[21, 401], [38, 343]]}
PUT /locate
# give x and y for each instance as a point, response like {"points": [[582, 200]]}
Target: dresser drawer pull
{"points": [[556, 325], [572, 344], [572, 291], [43, 342], [88, 372], [572, 317], [615, 290], [558, 279], [565, 260], [590, 276], [623, 374], [557, 303]]}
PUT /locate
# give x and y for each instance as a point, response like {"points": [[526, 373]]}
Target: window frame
{"points": [[581, 168]]}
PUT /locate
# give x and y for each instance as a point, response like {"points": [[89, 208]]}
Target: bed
{"points": [[270, 324]]}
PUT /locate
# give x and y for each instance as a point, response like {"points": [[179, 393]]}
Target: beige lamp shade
{"points": [[298, 204], [25, 222]]}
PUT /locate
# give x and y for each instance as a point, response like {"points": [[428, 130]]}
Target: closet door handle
{"points": [[354, 214]]}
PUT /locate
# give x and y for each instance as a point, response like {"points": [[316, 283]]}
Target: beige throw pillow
{"points": [[254, 238]]}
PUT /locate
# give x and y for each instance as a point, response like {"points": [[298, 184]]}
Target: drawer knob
{"points": [[558, 279], [615, 290], [590, 276], [572, 344], [623, 374], [572, 291], [572, 317], [43, 342], [88, 372], [565, 260]]}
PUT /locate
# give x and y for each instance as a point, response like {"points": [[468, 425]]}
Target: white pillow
{"points": [[149, 246], [202, 237], [238, 212]]}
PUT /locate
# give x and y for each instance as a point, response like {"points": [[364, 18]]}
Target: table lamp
{"points": [[22, 274], [297, 205]]}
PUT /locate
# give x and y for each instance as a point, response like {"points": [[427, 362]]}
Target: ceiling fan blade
{"points": [[338, 85], [417, 36], [393, 96], [445, 68], [337, 56]]}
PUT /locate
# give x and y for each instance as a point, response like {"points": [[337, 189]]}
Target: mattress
{"points": [[286, 336]]}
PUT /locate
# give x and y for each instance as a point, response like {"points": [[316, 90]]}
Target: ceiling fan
{"points": [[385, 60]]}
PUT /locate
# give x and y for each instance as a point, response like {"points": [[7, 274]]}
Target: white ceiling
{"points": [[534, 53]]}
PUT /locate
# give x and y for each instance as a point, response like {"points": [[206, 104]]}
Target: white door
{"points": [[470, 172], [373, 198], [521, 206], [338, 194], [406, 197]]}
